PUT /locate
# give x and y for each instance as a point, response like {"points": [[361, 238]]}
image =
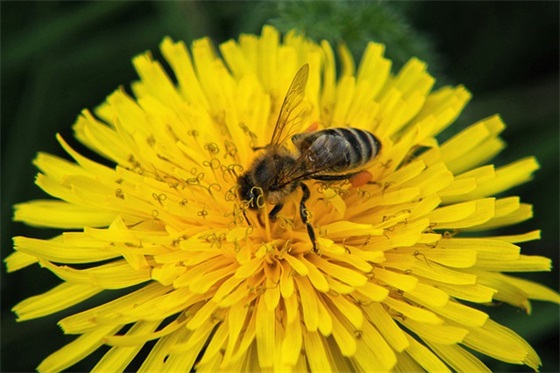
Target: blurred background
{"points": [[59, 57]]}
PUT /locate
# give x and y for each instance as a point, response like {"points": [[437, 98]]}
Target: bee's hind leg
{"points": [[305, 216]]}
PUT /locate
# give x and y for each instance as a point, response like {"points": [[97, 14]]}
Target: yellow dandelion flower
{"points": [[222, 287]]}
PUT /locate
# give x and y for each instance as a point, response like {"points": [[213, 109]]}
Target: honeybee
{"points": [[332, 154]]}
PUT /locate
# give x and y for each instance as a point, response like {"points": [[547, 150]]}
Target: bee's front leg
{"points": [[305, 216], [275, 210]]}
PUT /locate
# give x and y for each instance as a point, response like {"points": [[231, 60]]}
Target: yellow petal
{"points": [[445, 104], [101, 138], [389, 329], [18, 260], [373, 292], [345, 93], [457, 151], [379, 346], [315, 352], [316, 277], [484, 248], [297, 265], [291, 345], [524, 263], [433, 179], [308, 303], [248, 269], [501, 343], [346, 275], [76, 350], [373, 67], [406, 173], [202, 315], [461, 314], [442, 334], [176, 361], [463, 215], [292, 305], [59, 298], [159, 355], [427, 295], [178, 57], [400, 281], [135, 339], [522, 213], [346, 60], [470, 292], [517, 238], [236, 320], [426, 358], [286, 281], [455, 258], [118, 358], [533, 289], [347, 308], [343, 229], [344, 338], [247, 340], [410, 264], [212, 354], [325, 317], [57, 168], [115, 275], [458, 188], [508, 290], [167, 273], [92, 167], [156, 82], [87, 320], [458, 358], [226, 288], [413, 313], [405, 363], [505, 178]]}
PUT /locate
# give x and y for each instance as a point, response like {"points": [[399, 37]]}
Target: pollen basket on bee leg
{"points": [[313, 127], [361, 179]]}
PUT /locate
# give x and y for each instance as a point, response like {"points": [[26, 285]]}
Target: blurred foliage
{"points": [[356, 23], [61, 57]]}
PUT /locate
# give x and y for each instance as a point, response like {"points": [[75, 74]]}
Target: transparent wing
{"points": [[324, 156], [292, 111]]}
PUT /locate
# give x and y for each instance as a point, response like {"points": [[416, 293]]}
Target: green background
{"points": [[58, 58]]}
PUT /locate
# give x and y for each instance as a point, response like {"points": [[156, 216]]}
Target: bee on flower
{"points": [[268, 215]]}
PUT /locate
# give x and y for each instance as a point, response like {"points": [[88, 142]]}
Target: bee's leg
{"points": [[357, 179], [305, 217], [246, 219], [275, 210], [334, 177]]}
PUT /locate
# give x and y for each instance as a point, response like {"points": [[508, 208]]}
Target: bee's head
{"points": [[249, 192]]}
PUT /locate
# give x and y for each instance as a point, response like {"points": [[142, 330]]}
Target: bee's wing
{"points": [[292, 110], [321, 157]]}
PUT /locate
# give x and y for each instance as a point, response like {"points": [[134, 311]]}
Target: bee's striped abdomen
{"points": [[362, 146]]}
